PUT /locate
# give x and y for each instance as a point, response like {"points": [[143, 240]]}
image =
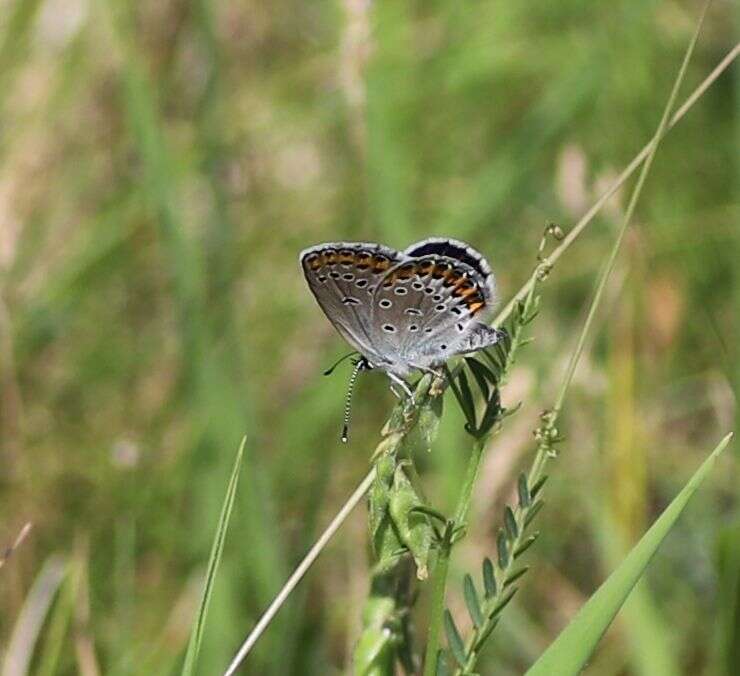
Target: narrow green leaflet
{"points": [[196, 634], [570, 651]]}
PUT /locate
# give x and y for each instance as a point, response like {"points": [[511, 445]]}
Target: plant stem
{"points": [[471, 474], [300, 571], [547, 434], [621, 179], [443, 558], [438, 605], [441, 568]]}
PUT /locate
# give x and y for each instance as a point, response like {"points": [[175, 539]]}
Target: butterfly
{"points": [[408, 310]]}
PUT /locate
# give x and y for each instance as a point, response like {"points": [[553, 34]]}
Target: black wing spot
{"points": [[460, 328], [400, 291], [443, 347], [429, 329], [389, 328], [385, 303], [361, 283], [413, 312], [348, 276], [348, 300], [418, 286], [436, 298], [456, 310], [413, 328], [428, 290], [322, 278], [334, 275], [440, 308]]}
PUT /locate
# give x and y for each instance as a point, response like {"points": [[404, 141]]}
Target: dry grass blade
{"points": [[16, 543], [299, 572], [32, 617], [619, 182]]}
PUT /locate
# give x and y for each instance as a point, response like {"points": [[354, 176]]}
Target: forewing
{"points": [[343, 277]]}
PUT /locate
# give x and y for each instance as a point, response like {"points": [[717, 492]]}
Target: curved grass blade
{"points": [[572, 649], [196, 634]]}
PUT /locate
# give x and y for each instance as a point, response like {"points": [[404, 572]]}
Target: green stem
{"points": [[471, 474], [443, 558], [438, 607], [659, 134], [441, 568]]}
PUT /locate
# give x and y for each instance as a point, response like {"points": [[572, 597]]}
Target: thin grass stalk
{"points": [[498, 321], [548, 435], [196, 635], [300, 571], [619, 182]]}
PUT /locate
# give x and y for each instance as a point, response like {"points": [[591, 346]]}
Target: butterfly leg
{"points": [[402, 384], [433, 372]]}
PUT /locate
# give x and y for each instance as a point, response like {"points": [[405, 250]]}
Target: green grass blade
{"points": [[572, 649], [29, 624], [196, 635]]}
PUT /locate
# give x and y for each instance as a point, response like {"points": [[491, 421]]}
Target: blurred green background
{"points": [[161, 165]]}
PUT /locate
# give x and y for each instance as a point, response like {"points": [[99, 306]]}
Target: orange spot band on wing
{"points": [[315, 261], [465, 292], [380, 264], [476, 307]]}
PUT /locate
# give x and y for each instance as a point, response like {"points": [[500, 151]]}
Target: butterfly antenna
{"points": [[330, 370], [360, 365]]}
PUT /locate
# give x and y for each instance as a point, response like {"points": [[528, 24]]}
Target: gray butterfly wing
{"points": [[476, 333], [463, 253], [343, 277], [427, 310]]}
